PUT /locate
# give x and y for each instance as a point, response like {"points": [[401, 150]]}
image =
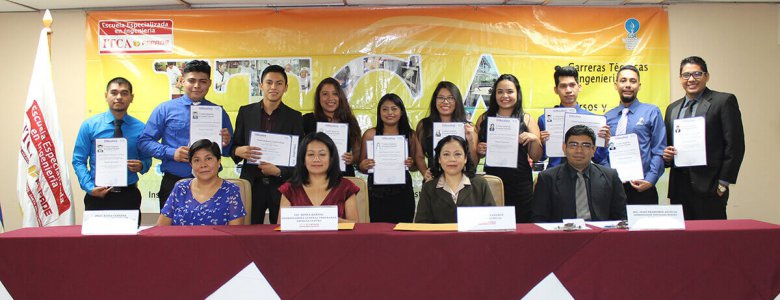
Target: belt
{"points": [[120, 189]]}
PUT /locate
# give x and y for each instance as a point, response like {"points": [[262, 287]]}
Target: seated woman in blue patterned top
{"points": [[206, 199]]}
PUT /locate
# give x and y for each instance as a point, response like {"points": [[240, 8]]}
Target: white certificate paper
{"points": [[690, 141], [502, 142], [206, 123], [389, 157], [111, 162], [625, 158], [554, 119], [277, 149], [442, 130], [339, 133], [595, 122]]}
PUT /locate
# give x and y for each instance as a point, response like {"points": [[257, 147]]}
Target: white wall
{"points": [[739, 42]]}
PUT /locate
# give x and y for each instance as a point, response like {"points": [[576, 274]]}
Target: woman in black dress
{"points": [[506, 101], [390, 203]]}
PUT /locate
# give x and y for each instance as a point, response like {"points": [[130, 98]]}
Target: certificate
{"points": [[442, 130], [206, 123], [595, 122], [389, 156], [277, 149], [553, 120], [502, 142], [625, 158], [111, 162], [339, 133], [690, 141]]}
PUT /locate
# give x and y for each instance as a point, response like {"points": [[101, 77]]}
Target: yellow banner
{"points": [[374, 51]]}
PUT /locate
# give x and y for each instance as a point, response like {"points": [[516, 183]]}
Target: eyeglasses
{"points": [[442, 99], [696, 75], [575, 145]]}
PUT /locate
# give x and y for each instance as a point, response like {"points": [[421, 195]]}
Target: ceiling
{"points": [[39, 5]]}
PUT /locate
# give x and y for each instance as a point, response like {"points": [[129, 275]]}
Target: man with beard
{"points": [[644, 120]]}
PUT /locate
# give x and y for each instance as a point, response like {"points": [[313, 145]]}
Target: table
{"points": [[735, 259]]}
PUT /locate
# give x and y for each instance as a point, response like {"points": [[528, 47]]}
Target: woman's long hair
{"points": [[403, 123], [301, 174], [343, 113]]}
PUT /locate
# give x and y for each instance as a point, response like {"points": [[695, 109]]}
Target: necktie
{"points": [[689, 112], [622, 123], [118, 128], [581, 190]]}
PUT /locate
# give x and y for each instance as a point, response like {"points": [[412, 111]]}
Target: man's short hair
{"points": [[580, 130], [694, 60], [566, 71], [628, 67], [197, 66], [120, 81], [274, 69]]}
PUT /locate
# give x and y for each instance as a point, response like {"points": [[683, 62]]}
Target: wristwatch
{"points": [[722, 188]]}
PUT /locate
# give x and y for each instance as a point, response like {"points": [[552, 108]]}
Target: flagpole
{"points": [[47, 20]]}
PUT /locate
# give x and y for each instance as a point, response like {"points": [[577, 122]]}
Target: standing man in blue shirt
{"points": [[111, 124], [644, 120], [567, 87], [167, 132]]}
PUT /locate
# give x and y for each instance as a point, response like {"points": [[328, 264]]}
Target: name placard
{"points": [[309, 218], [486, 218], [109, 222], [655, 217]]}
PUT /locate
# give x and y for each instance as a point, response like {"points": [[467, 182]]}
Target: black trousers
{"points": [[649, 196], [699, 206], [166, 186], [119, 198], [265, 195]]}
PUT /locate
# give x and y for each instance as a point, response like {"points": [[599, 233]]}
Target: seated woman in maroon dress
{"points": [[317, 179]]}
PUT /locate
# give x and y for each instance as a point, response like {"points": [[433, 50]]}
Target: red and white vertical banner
{"points": [[43, 186]]}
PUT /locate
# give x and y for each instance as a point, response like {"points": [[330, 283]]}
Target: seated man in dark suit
{"points": [[578, 188]]}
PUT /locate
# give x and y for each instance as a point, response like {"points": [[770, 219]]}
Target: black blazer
{"points": [[554, 198], [725, 142], [286, 121], [436, 205]]}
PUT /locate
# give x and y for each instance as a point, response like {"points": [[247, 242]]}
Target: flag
{"points": [[42, 183]]}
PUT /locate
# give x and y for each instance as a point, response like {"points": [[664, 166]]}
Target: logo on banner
{"points": [[631, 40], [135, 36]]}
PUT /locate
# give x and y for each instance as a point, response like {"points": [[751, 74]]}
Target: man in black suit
{"points": [[703, 191], [268, 115], [578, 188]]}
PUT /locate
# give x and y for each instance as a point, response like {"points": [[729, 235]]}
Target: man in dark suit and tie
{"points": [[268, 115], [578, 188], [703, 191]]}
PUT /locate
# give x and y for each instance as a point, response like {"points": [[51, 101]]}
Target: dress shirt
{"points": [[442, 184], [646, 122], [101, 126], [171, 121], [600, 157]]}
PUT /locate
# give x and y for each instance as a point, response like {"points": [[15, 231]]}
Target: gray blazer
{"points": [[436, 205]]}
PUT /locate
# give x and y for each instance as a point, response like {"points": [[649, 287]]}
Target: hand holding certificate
{"points": [[595, 122], [277, 149], [502, 142], [111, 162], [339, 133], [206, 123], [389, 156], [554, 121], [690, 141]]}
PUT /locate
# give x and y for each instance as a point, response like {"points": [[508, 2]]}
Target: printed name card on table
{"points": [[655, 217], [486, 218], [109, 222], [309, 218]]}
